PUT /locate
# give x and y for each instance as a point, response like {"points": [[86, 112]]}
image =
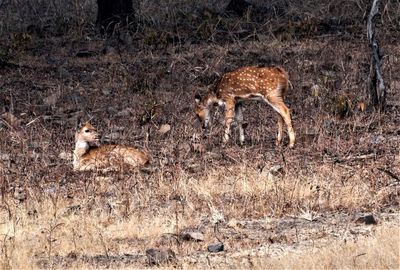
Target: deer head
{"points": [[87, 133]]}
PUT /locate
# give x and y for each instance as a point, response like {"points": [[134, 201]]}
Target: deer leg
{"points": [[229, 115], [280, 130], [282, 109], [239, 120]]}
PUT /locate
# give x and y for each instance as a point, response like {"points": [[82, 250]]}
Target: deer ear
{"points": [[78, 123], [197, 98]]}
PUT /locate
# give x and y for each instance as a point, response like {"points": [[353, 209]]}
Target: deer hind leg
{"points": [[229, 116], [280, 130], [239, 120], [284, 113]]}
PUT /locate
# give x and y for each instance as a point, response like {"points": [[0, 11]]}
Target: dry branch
{"points": [[354, 158], [391, 174], [377, 86]]}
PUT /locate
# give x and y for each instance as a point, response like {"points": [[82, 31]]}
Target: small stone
{"points": [[85, 53], [367, 220], [195, 168], [216, 247], [160, 256], [191, 235], [164, 128]]}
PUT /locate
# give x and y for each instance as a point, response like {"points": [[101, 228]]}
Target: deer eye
{"points": [[87, 131]]}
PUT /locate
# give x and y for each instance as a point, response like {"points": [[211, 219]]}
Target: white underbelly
{"points": [[250, 97]]}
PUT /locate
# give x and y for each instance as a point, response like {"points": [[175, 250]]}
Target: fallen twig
{"points": [[354, 158], [391, 174]]}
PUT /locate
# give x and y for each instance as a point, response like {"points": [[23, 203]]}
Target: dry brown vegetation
{"points": [[271, 207]]}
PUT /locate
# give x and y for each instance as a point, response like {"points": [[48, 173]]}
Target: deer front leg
{"points": [[284, 112], [280, 107], [288, 121], [229, 115], [239, 120], [280, 130]]}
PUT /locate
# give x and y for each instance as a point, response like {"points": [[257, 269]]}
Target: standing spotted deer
{"points": [[88, 156], [248, 83]]}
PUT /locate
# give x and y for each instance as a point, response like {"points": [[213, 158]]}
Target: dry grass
{"points": [[116, 217], [380, 251]]}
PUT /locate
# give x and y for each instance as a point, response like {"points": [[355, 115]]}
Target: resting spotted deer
{"points": [[248, 83], [88, 156]]}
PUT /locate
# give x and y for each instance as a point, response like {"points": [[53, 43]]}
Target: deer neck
{"points": [[81, 147], [210, 99]]}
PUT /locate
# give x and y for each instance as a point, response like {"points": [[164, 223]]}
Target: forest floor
{"points": [[331, 202]]}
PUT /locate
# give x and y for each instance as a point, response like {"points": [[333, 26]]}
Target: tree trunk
{"points": [[113, 12], [376, 86], [237, 6]]}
